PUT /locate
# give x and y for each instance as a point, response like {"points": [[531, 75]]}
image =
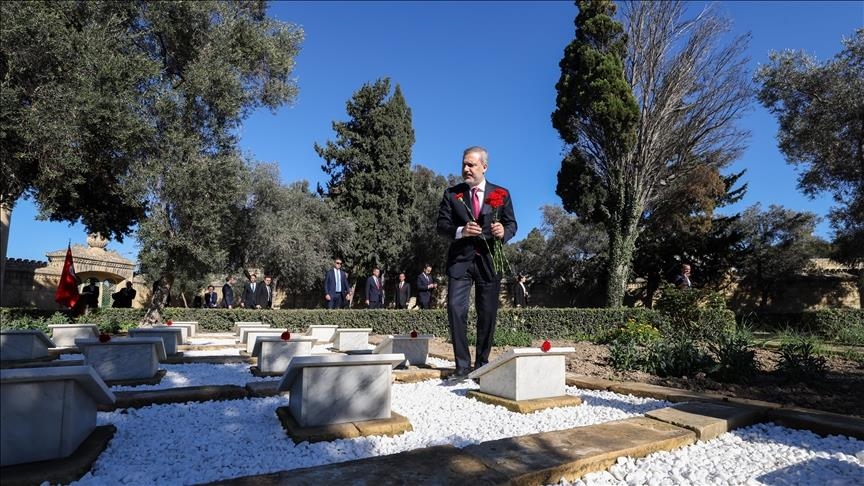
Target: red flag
{"points": [[67, 289]]}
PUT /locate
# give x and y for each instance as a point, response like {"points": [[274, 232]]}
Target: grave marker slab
{"points": [[253, 335], [274, 354], [324, 334], [335, 389], [64, 335], [524, 374], [23, 344], [124, 359], [48, 412], [171, 336], [415, 349], [245, 330], [239, 324], [351, 339], [192, 325]]}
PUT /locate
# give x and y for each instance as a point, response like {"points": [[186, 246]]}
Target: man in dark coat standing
{"points": [[425, 285], [336, 285], [403, 292], [228, 292], [249, 292], [375, 290], [520, 293], [468, 223], [264, 294]]}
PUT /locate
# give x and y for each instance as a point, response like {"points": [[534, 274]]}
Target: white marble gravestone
{"points": [[192, 325], [324, 334], [416, 349], [170, 335], [64, 335], [274, 354], [23, 344], [47, 412], [351, 339], [124, 359], [332, 389], [253, 335], [524, 374], [245, 330], [240, 324], [184, 331]]}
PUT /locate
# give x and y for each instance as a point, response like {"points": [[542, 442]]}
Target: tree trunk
{"points": [[861, 285], [157, 302], [5, 220], [622, 244]]}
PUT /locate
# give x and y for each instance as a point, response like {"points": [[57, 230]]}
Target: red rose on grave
{"points": [[169, 322], [545, 347], [104, 337], [414, 333], [286, 336]]}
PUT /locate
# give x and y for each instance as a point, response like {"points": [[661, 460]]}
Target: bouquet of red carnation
{"points": [[499, 260], [460, 197]]}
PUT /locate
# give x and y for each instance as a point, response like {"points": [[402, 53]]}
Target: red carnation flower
{"points": [[104, 337], [169, 322], [414, 333], [458, 196], [545, 347], [286, 336]]}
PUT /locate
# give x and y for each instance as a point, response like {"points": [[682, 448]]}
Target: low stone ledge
{"points": [[140, 381], [25, 363], [395, 425], [42, 364], [588, 382], [434, 466], [233, 359], [138, 399], [525, 406], [260, 389], [414, 374], [547, 457], [61, 471], [708, 419], [818, 422]]}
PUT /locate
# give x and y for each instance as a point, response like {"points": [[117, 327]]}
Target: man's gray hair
{"points": [[484, 155]]}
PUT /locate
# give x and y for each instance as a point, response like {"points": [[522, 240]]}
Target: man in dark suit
{"points": [[425, 285], [90, 294], [467, 221], [520, 293], [264, 294], [123, 298], [228, 292], [375, 290], [403, 292], [335, 285], [210, 298], [249, 292]]}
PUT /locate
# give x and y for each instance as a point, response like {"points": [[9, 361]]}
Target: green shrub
{"points": [[640, 333], [694, 313], [625, 355], [799, 360], [676, 356], [845, 326], [734, 354]]}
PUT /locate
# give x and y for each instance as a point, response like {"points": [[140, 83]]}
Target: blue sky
{"points": [[479, 73]]}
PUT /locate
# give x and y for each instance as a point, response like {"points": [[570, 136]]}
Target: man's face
{"points": [[253, 278], [210, 289], [427, 270], [337, 264], [232, 281], [401, 277], [376, 272], [686, 269], [473, 168], [267, 280]]}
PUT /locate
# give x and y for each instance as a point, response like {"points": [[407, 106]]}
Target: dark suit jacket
{"points": [[403, 294], [90, 293], [249, 294], [519, 296], [330, 282], [453, 213], [423, 290], [263, 295], [227, 295], [374, 293], [210, 299]]}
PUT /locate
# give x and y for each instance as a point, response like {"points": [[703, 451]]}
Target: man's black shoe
{"points": [[460, 374]]}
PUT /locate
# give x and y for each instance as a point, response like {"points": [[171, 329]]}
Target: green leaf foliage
{"points": [[369, 165]]}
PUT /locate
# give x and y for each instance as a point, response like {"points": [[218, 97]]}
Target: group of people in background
{"points": [[338, 292], [256, 295]]}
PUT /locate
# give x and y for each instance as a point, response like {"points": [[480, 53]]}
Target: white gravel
{"points": [[200, 442]]}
